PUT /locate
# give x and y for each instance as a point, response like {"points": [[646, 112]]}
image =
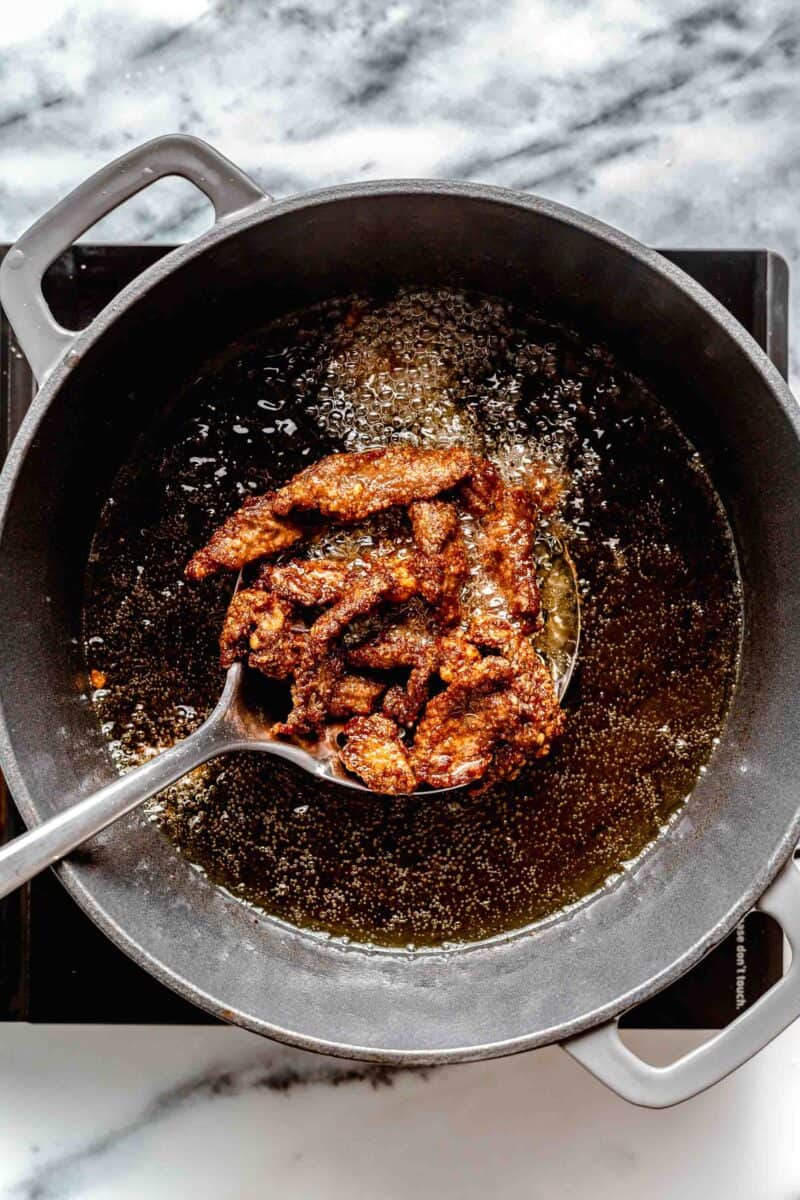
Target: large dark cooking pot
{"points": [[567, 979]]}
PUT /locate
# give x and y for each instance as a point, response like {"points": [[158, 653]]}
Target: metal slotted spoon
{"points": [[234, 725]]}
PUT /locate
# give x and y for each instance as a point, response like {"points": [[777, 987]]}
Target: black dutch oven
{"points": [[725, 852]]}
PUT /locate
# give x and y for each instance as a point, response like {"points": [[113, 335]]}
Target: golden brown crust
{"points": [[455, 738], [352, 486], [364, 593], [375, 752], [479, 490], [433, 523], [259, 625], [497, 712], [400, 646], [386, 579], [310, 582], [252, 532], [354, 696], [532, 680], [404, 704], [437, 533], [316, 678], [456, 656], [542, 719], [506, 543], [455, 568]]}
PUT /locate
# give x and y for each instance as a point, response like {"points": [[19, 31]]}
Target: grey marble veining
{"points": [[276, 1070], [674, 121]]}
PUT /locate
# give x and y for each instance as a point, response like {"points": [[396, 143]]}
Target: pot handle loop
{"points": [[603, 1053], [42, 339]]}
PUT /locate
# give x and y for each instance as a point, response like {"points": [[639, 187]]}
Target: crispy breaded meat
{"points": [[252, 532], [497, 712], [437, 533], [404, 703], [431, 693], [480, 727], [456, 656], [351, 486], [375, 752], [455, 568], [533, 682], [258, 625], [397, 647], [347, 487], [433, 523], [456, 737], [365, 591], [506, 544], [355, 696], [479, 490], [311, 582], [316, 679]]}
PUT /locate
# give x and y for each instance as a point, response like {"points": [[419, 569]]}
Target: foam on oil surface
{"points": [[661, 613]]}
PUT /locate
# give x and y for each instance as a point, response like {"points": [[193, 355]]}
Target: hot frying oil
{"points": [[661, 613]]}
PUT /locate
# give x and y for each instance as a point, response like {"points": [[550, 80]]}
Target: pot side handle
{"points": [[42, 339], [603, 1053]]}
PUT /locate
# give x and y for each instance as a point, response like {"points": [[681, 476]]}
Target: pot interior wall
{"points": [[597, 958]]}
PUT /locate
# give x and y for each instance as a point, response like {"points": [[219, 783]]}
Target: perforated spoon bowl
{"points": [[232, 725]]}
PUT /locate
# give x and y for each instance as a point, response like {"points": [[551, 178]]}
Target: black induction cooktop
{"points": [[56, 966]]}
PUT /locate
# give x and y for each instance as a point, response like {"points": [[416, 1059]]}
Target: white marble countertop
{"points": [[218, 1114], [675, 121]]}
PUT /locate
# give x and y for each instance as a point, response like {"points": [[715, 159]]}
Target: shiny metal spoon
{"points": [[233, 725]]}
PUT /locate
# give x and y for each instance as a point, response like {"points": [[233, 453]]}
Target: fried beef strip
{"points": [[437, 533], [375, 752], [390, 578], [351, 486], [253, 531], [316, 679], [321, 668], [479, 490], [433, 523], [404, 704], [456, 737], [401, 646], [456, 656], [310, 582], [533, 683], [459, 730], [499, 707], [506, 540], [397, 646], [258, 626], [497, 712], [347, 487], [355, 696], [509, 531], [541, 717], [467, 734]]}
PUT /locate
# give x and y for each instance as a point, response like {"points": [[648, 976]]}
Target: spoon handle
{"points": [[31, 852]]}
